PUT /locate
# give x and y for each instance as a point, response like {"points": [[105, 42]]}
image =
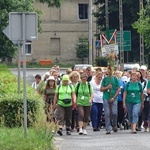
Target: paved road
{"points": [[30, 73], [122, 140]]}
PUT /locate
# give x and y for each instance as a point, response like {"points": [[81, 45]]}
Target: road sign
{"points": [[14, 30], [110, 48], [97, 44], [126, 39]]}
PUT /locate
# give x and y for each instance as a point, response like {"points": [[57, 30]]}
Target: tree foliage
{"points": [[7, 48], [143, 23], [130, 15], [82, 50]]}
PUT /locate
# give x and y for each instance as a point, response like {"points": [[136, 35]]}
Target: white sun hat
{"points": [[51, 78]]}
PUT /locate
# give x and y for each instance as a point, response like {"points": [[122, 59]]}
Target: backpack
{"points": [[79, 86]]}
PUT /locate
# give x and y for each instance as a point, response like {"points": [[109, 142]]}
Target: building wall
{"points": [[61, 30]]}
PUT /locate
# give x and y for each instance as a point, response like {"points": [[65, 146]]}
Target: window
{"points": [[55, 46], [83, 11], [28, 48]]}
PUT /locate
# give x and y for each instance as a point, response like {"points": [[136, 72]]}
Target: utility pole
{"points": [[121, 35], [141, 39], [107, 18], [90, 32]]}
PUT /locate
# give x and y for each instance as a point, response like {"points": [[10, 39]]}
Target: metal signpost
{"points": [[23, 26], [90, 32], [121, 36], [141, 39]]}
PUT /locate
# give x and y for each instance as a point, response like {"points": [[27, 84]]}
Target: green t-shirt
{"points": [[148, 85], [64, 92], [84, 94], [133, 92], [108, 94]]}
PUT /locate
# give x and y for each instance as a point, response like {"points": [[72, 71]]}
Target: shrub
{"points": [[11, 110], [11, 103], [39, 135], [101, 61]]}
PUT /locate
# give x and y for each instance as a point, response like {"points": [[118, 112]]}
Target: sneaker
{"points": [[84, 132], [68, 133], [108, 132], [59, 132], [80, 131], [121, 127], [115, 129]]}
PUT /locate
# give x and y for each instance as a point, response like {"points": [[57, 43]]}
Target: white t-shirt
{"points": [[97, 93], [34, 85]]}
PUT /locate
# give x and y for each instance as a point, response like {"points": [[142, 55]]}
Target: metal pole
{"points": [[107, 18], [90, 31], [141, 39], [24, 75], [121, 35], [19, 55]]}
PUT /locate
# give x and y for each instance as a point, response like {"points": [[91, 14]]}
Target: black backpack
{"points": [[78, 85]]}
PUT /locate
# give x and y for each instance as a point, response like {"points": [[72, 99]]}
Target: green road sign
{"points": [[126, 39]]}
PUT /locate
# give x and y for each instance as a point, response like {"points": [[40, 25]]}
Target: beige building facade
{"points": [[61, 29]]}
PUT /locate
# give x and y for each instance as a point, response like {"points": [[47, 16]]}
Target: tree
{"points": [[130, 15], [7, 49], [143, 23], [82, 50]]}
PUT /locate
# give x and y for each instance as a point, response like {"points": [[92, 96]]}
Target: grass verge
{"points": [[13, 139]]}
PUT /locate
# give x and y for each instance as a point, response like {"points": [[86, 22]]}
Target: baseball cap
{"points": [[65, 77], [143, 67]]}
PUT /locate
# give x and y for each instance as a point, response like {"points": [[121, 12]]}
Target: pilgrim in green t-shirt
{"points": [[134, 90], [64, 92], [108, 94], [84, 93]]}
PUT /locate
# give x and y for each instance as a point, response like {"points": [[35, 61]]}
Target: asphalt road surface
{"points": [[121, 140], [30, 73]]}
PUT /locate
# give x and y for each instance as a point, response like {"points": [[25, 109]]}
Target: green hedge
{"points": [[11, 103], [11, 111]]}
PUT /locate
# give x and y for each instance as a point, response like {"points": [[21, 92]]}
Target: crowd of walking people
{"points": [[85, 95]]}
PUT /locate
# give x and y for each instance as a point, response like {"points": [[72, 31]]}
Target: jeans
{"points": [[133, 112], [96, 113], [111, 114]]}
